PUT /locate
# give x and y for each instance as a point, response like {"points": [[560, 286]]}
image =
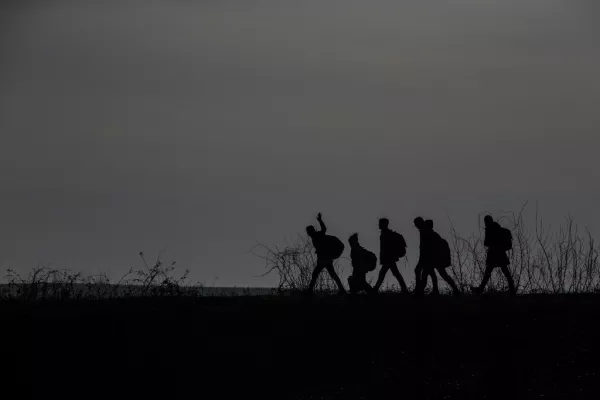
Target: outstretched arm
{"points": [[323, 227]]}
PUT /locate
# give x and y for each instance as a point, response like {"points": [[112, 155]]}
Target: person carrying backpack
{"points": [[363, 261], [424, 268], [328, 248], [434, 256], [425, 264], [498, 241], [392, 249]]}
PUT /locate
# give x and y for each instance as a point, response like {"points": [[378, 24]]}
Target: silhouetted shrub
{"points": [[563, 260], [157, 279], [294, 264]]}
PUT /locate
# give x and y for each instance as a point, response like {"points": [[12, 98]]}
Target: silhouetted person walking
{"points": [[424, 266], [434, 256], [328, 248], [363, 261], [392, 248], [498, 241]]}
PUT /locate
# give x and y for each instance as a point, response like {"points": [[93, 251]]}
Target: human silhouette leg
{"points": [[421, 279], [355, 284], [399, 278], [352, 287], [363, 284], [446, 277], [315, 275], [359, 283], [486, 277], [335, 277], [511, 284], [425, 274], [418, 278], [434, 282], [369, 289], [381, 277]]}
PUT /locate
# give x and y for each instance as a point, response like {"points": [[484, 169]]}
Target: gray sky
{"points": [[204, 126]]}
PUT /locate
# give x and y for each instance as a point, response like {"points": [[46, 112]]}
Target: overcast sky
{"points": [[205, 126]]}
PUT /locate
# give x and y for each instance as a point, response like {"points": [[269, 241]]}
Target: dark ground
{"points": [[295, 348]]}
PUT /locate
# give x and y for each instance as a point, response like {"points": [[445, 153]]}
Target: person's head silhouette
{"points": [[488, 220], [353, 239], [384, 223], [310, 230], [419, 223]]}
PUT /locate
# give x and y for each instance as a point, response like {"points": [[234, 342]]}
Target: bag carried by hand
{"points": [[332, 247]]}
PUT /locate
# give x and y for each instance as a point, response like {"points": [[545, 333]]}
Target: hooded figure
{"points": [[363, 261]]}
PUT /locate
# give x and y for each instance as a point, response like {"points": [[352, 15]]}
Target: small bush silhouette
{"points": [[564, 260], [294, 265], [157, 279]]}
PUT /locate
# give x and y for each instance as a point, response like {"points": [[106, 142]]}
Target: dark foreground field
{"points": [[294, 348]]}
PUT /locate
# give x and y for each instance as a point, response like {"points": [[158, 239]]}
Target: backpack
{"points": [[399, 245], [332, 247], [444, 252], [369, 260], [505, 238]]}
